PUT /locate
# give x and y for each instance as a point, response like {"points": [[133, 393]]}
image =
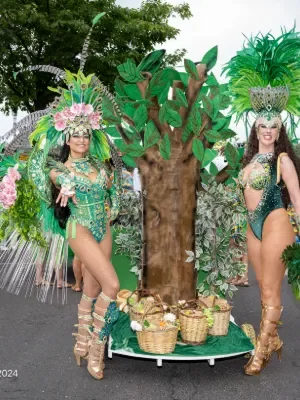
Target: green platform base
{"points": [[124, 341]]}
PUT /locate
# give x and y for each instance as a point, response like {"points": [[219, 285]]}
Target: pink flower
{"points": [[60, 125], [14, 173], [95, 125], [58, 117], [8, 180], [87, 109], [95, 117], [77, 109], [67, 114]]}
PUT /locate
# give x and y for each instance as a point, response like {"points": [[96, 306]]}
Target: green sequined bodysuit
{"points": [[91, 199], [271, 196]]}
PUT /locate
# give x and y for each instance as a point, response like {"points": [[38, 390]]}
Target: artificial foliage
{"points": [[23, 216], [219, 214], [129, 230], [291, 258]]}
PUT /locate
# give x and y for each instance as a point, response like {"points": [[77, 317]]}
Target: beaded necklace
{"points": [[81, 165]]}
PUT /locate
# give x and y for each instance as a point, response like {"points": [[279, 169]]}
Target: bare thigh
{"points": [[96, 261], [254, 253], [91, 285], [278, 233]]}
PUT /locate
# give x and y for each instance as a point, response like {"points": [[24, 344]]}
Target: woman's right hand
{"points": [[64, 195]]}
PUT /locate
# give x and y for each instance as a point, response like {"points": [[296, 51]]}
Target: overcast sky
{"points": [[222, 23]]}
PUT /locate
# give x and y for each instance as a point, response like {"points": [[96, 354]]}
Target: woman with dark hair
{"points": [[269, 181], [264, 81]]}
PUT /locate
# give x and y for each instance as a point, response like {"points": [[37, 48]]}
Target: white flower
{"points": [[170, 317], [135, 326]]}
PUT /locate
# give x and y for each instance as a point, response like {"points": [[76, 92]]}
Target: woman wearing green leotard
{"points": [[84, 186], [269, 181]]}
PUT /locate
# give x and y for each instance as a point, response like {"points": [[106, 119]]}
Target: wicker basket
{"points": [[155, 312], [193, 326], [221, 318], [157, 340]]}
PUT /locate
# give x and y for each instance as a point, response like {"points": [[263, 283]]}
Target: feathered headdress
{"points": [[265, 76]]}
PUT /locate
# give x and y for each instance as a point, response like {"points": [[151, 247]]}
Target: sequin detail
{"points": [[271, 196], [111, 316]]}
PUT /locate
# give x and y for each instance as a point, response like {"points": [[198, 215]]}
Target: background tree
{"points": [[169, 123], [52, 32]]}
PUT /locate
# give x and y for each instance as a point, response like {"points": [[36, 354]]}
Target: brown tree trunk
{"points": [[169, 227]]}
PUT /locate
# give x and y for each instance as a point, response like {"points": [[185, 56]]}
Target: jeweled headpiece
{"points": [[265, 77]]}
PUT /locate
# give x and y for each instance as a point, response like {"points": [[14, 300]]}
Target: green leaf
{"points": [[198, 149], [213, 136], [208, 106], [113, 132], [209, 155], [195, 121], [241, 151], [163, 96], [191, 69], [184, 77], [213, 170], [134, 150], [108, 112], [218, 124], [212, 81], [119, 87], [159, 81], [231, 155], [120, 145], [210, 58], [140, 117], [180, 96], [186, 133], [152, 135], [227, 134], [216, 105], [152, 61], [167, 114], [97, 18], [133, 92], [165, 147], [146, 324], [128, 160], [129, 72]]}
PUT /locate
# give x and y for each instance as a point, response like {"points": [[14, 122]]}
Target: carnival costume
{"points": [[265, 80], [39, 236]]}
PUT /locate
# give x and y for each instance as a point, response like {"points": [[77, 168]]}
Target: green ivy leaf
{"points": [[213, 136], [208, 106], [210, 58], [129, 72], [180, 96], [195, 120], [128, 160], [165, 147], [231, 155], [198, 149], [160, 80], [140, 117], [191, 69], [152, 135]]}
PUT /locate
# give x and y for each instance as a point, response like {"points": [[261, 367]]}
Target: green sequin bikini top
{"points": [[258, 179]]}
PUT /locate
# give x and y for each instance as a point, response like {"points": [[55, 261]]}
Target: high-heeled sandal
{"points": [[262, 351], [275, 343], [100, 335], [83, 336]]}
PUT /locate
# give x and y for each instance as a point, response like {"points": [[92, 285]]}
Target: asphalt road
{"points": [[35, 340]]}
